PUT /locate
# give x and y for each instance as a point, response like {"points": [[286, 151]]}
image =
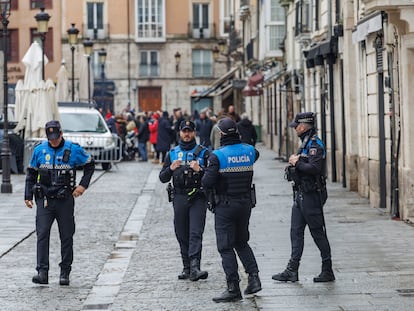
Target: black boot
{"points": [[41, 277], [327, 274], [64, 278], [289, 274], [195, 272], [253, 284], [232, 293], [185, 274]]}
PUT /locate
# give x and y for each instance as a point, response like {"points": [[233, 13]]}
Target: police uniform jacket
{"points": [[55, 168], [230, 168], [184, 177], [311, 163]]}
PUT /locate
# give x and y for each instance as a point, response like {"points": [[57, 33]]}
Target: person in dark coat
{"points": [[247, 130], [143, 137], [165, 134], [204, 126]]}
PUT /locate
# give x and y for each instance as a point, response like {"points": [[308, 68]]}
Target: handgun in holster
{"points": [[38, 191], [253, 195], [170, 192]]}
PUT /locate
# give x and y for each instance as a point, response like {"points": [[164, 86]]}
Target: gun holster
{"points": [[253, 195], [170, 192], [38, 191]]}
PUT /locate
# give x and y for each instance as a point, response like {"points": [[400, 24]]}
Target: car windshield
{"points": [[76, 122]]}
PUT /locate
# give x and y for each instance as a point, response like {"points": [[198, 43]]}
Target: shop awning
{"points": [[219, 86], [367, 25], [325, 49]]}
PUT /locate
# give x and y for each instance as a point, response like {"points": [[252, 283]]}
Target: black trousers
{"points": [[232, 234], [62, 210], [189, 223], [307, 210]]}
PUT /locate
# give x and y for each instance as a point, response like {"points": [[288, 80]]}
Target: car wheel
{"points": [[106, 166]]}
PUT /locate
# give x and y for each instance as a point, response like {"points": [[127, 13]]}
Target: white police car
{"points": [[83, 124]]}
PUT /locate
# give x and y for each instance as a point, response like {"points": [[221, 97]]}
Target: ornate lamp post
{"points": [[42, 19], [73, 40], [88, 47], [6, 186]]}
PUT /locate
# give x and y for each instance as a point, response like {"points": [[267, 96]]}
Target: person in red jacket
{"points": [[153, 128]]}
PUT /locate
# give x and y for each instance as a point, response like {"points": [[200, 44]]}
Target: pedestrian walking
{"points": [[247, 130], [143, 137], [153, 129], [184, 165], [203, 128], [230, 173], [307, 171], [165, 135], [51, 179]]}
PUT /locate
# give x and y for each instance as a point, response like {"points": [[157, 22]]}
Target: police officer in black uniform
{"points": [[184, 164], [307, 171], [51, 179], [230, 172]]}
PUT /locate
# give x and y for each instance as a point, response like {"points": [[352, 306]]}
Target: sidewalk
{"points": [[127, 257]]}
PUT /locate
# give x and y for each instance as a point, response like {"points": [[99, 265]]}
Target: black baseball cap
{"points": [[227, 126], [187, 125], [53, 129], [303, 117]]}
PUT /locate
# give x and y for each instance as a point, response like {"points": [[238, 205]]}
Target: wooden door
{"points": [[149, 98]]}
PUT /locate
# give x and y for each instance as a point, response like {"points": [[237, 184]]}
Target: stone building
{"points": [[349, 62]]}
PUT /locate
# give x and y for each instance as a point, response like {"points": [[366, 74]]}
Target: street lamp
{"points": [[73, 40], [42, 19], [88, 46], [6, 186], [102, 60]]}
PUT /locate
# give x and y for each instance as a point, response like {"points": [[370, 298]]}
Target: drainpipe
{"points": [[378, 44], [129, 54], [343, 129]]}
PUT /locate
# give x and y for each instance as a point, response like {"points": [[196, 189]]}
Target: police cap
{"points": [[303, 117], [53, 129], [227, 126], [187, 125]]}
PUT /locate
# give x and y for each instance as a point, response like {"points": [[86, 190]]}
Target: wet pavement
{"points": [[127, 257]]}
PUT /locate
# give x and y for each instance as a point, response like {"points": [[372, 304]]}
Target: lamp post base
{"points": [[6, 188]]}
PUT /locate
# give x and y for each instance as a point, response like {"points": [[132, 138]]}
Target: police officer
{"points": [[230, 173], [184, 164], [51, 179], [307, 172]]}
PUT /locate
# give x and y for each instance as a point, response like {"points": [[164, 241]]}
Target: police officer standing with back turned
{"points": [[184, 164], [51, 179], [307, 172], [230, 173]]}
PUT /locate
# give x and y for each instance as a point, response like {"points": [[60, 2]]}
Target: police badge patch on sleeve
{"points": [[312, 151]]}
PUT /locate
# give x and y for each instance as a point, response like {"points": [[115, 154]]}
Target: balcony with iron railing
{"points": [[96, 34], [202, 31]]}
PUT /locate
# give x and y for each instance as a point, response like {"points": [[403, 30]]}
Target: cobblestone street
{"points": [[127, 257]]}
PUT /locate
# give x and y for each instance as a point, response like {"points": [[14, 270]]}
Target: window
{"points": [[12, 45], [202, 63], [276, 25], [302, 17], [226, 14], [95, 20], [48, 41], [47, 4], [151, 20], [149, 64], [201, 27]]}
